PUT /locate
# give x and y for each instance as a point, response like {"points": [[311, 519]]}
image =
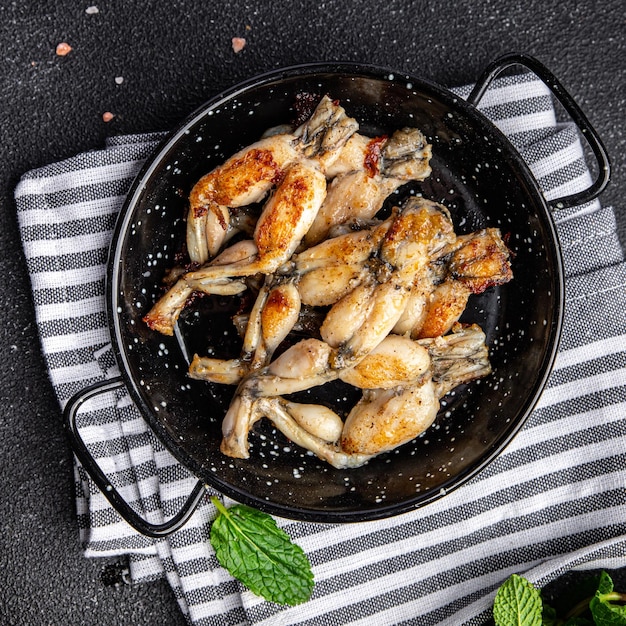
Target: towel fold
{"points": [[554, 500]]}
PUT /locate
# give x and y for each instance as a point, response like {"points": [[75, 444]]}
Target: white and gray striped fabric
{"points": [[553, 501]]}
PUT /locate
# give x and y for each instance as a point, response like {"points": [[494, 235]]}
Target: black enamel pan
{"points": [[477, 174]]}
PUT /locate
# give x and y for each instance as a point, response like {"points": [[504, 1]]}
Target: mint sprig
{"points": [[603, 605], [249, 544], [519, 603]]}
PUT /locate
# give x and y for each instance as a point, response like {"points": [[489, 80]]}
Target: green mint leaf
{"points": [[603, 608], [548, 615], [249, 544], [517, 603], [605, 584]]}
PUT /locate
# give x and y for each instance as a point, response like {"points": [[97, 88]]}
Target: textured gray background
{"points": [[172, 57]]}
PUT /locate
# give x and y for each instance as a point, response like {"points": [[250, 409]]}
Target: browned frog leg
{"points": [[273, 315], [415, 374], [365, 174], [163, 315], [480, 260], [249, 175]]}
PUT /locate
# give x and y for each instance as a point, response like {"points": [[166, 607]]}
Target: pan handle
{"points": [[568, 103], [100, 479]]}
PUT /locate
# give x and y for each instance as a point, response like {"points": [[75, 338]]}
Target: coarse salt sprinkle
{"points": [[63, 49], [239, 43]]}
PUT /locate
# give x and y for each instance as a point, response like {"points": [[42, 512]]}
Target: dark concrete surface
{"points": [[172, 56]]}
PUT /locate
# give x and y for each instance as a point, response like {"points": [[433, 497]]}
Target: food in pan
{"points": [[387, 291]]}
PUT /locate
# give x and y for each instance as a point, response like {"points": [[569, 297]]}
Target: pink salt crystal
{"points": [[239, 44], [107, 116], [63, 49]]}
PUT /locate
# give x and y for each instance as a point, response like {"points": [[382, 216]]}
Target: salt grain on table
{"points": [[239, 44], [63, 49]]}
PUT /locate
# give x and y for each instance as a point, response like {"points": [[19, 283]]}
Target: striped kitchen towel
{"points": [[553, 501]]}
